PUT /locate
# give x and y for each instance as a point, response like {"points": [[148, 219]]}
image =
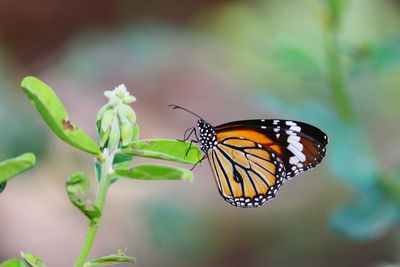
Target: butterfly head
{"points": [[208, 136]]}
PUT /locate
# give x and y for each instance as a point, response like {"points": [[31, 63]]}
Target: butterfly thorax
{"points": [[208, 135]]}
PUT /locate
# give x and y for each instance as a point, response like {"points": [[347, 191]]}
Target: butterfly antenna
{"points": [[179, 107]]}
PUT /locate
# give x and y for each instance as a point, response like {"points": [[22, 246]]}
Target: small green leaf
{"points": [[165, 149], [13, 263], [156, 172], [77, 189], [112, 259], [32, 260], [53, 112], [14, 166]]}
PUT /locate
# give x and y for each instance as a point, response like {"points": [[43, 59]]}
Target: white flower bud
{"points": [[115, 135], [126, 112], [106, 120], [104, 137], [116, 120], [126, 133]]}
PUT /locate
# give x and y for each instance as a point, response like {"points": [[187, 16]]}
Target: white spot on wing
{"points": [[295, 142], [297, 153], [293, 160], [295, 128]]}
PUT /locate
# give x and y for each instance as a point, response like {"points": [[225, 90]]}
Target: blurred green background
{"points": [[331, 63]]}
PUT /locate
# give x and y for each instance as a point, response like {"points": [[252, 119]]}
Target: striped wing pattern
{"points": [[299, 145], [253, 158], [247, 175]]}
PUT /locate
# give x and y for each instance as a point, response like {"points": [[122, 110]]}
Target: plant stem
{"points": [[336, 77], [106, 175]]}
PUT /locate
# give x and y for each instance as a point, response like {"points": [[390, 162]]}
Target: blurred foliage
{"points": [[316, 84], [374, 58], [182, 234], [20, 133]]}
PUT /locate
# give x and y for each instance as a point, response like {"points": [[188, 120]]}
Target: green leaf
{"points": [[165, 149], [32, 260], [77, 189], [14, 166], [112, 259], [13, 263], [156, 172], [53, 112]]}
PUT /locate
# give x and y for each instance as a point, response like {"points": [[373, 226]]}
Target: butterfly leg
{"points": [[190, 146], [204, 157], [186, 136]]}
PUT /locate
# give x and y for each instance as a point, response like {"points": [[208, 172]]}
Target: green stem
{"points": [[336, 73], [106, 175]]}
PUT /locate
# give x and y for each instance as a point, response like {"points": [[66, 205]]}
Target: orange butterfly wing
{"points": [[246, 175], [253, 158]]}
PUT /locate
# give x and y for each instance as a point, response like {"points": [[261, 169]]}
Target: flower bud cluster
{"points": [[116, 121]]}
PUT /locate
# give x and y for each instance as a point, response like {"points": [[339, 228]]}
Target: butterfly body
{"points": [[251, 159], [208, 135]]}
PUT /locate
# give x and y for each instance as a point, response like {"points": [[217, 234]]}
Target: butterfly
{"points": [[251, 159]]}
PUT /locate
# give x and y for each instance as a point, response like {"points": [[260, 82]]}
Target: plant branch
{"points": [[336, 76], [106, 174]]}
